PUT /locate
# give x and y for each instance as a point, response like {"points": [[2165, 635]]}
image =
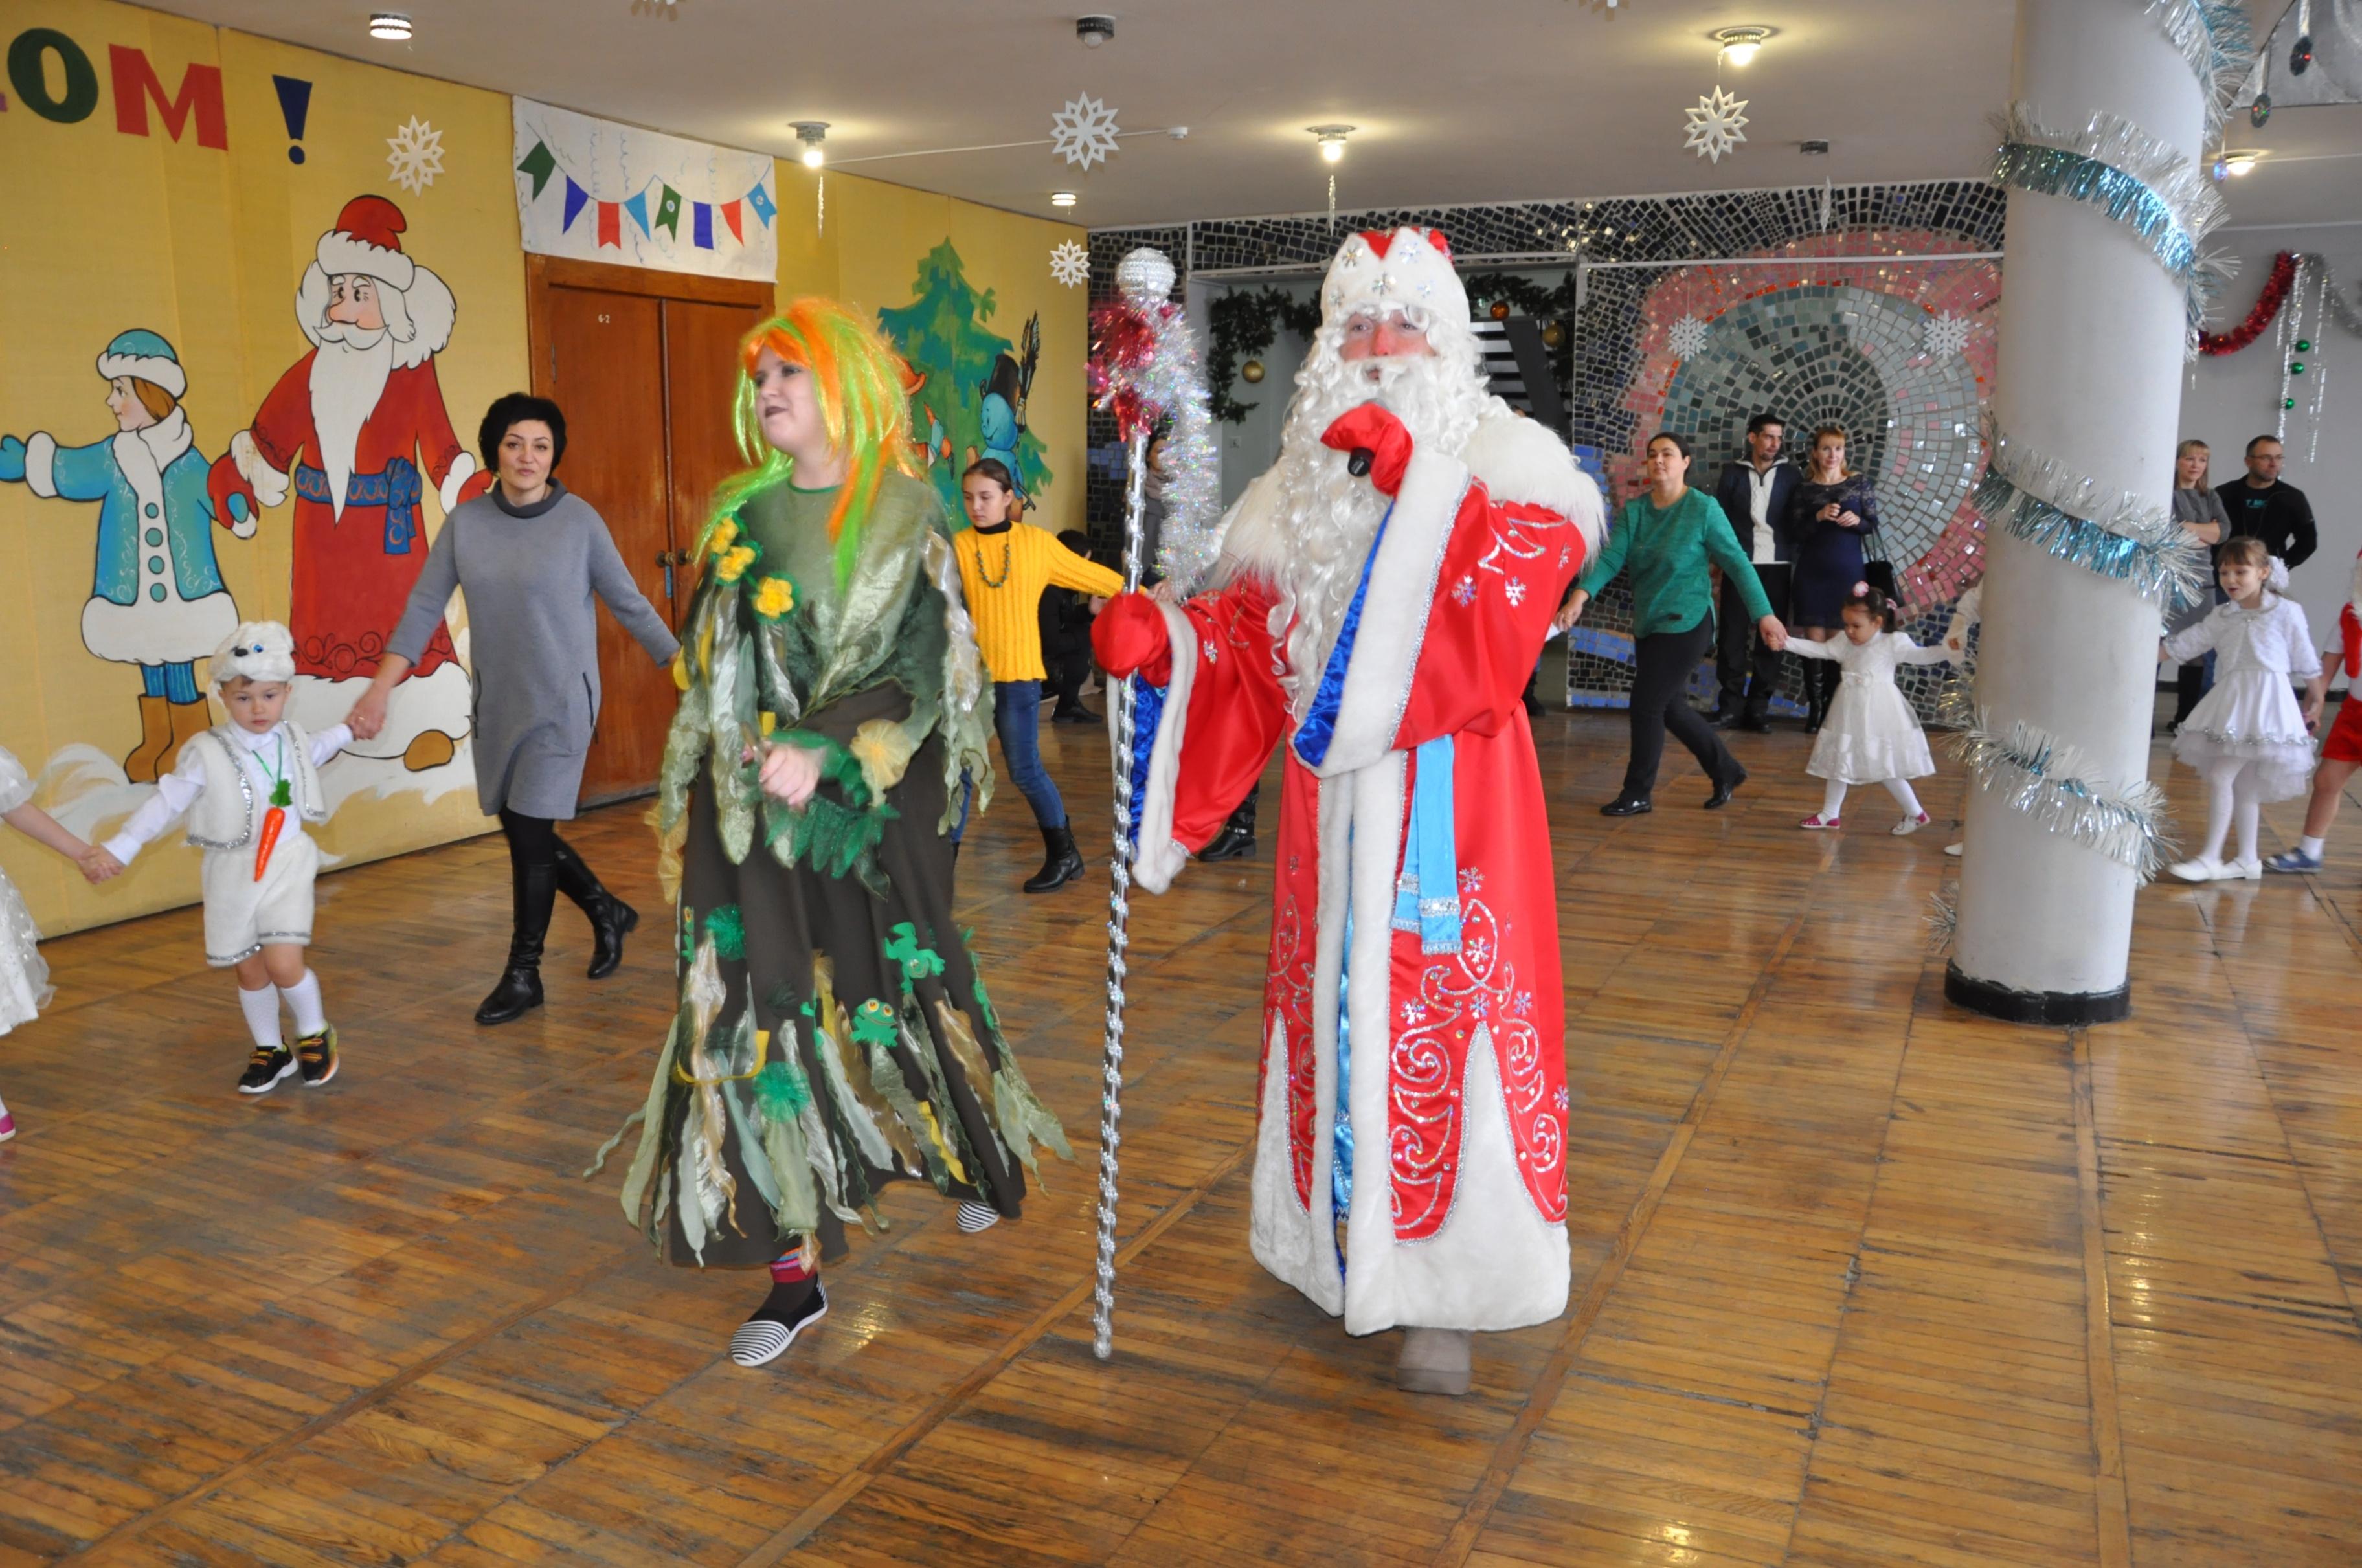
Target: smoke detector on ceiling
{"points": [[1093, 31]]}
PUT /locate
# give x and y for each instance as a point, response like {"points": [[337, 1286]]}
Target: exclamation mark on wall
{"points": [[294, 106]]}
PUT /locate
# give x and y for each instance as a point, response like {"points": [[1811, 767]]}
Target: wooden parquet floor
{"points": [[1860, 1279]]}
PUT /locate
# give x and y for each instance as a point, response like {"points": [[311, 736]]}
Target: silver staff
{"points": [[1118, 927]]}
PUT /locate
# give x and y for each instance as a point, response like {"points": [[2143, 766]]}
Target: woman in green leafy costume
{"points": [[833, 1031]]}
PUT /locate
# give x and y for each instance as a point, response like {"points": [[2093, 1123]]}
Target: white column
{"points": [[2090, 373]]}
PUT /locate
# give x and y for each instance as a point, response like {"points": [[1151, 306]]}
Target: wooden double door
{"points": [[644, 365]]}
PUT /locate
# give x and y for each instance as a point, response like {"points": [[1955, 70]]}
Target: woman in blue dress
{"points": [[1830, 512]]}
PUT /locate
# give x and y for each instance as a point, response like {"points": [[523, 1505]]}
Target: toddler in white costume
{"points": [[249, 787], [1870, 735], [24, 974], [2248, 737]]}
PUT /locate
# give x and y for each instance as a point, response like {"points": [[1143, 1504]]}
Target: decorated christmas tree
{"points": [[970, 401]]}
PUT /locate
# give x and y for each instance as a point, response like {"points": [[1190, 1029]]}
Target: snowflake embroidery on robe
{"points": [[1465, 591], [1516, 590]]}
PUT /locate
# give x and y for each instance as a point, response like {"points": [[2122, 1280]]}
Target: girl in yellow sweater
{"points": [[1004, 565]]}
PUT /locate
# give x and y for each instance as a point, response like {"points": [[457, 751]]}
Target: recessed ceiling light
{"points": [[1332, 141], [1061, 198], [392, 26], [2239, 164], [811, 132], [1093, 31], [1739, 44]]}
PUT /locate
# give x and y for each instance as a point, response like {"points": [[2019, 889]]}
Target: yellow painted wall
{"points": [[867, 255], [112, 231]]}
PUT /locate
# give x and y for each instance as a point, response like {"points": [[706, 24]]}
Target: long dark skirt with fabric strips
{"points": [[833, 1034]]}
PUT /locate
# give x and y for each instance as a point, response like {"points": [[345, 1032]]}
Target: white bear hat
{"points": [[259, 650]]}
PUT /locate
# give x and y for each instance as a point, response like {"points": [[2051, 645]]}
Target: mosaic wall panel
{"points": [[1833, 330]]}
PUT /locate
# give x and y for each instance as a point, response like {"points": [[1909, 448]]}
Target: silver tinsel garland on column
{"points": [[2214, 37], [2116, 535], [2140, 183], [2045, 778]]}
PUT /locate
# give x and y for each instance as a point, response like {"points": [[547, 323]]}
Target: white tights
{"points": [[1833, 803], [2232, 795]]}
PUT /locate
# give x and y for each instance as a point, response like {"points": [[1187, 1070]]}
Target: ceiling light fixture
{"points": [[1095, 30], [1739, 44], [810, 133], [390, 25], [1332, 141], [1061, 198], [2238, 164]]}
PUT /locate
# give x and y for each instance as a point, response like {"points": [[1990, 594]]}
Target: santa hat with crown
{"points": [[1382, 269], [367, 242]]}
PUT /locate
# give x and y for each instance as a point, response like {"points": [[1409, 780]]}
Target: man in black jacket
{"points": [[1753, 493], [2262, 507]]}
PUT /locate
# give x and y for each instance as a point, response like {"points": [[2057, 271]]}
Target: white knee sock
{"points": [[2247, 808], [1905, 797], [2219, 775], [1832, 802], [261, 1008], [304, 1001]]}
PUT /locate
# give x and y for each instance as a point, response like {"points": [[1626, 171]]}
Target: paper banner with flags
{"points": [[691, 207]]}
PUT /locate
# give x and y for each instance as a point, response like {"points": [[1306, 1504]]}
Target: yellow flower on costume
{"points": [[725, 534], [733, 563], [773, 597]]}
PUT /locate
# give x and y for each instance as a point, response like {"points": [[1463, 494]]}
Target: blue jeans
{"points": [[1017, 720]]}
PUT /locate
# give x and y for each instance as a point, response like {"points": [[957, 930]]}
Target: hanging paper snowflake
{"points": [[1084, 131], [1946, 335], [1070, 264], [417, 155], [1714, 125], [1686, 337]]}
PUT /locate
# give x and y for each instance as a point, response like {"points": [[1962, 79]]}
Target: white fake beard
{"points": [[348, 376], [1319, 534]]}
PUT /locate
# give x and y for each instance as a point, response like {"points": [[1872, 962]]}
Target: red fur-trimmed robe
{"points": [[1457, 1093]]}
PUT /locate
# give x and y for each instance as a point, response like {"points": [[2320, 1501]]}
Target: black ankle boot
{"points": [[533, 889], [610, 918], [1065, 862], [1819, 688], [1238, 836]]}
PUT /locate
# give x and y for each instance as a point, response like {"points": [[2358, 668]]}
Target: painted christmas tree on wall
{"points": [[973, 383]]}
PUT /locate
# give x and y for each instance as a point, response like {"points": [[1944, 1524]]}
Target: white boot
{"points": [[1435, 1361]]}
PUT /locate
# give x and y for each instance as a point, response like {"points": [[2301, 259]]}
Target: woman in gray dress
{"points": [[529, 555]]}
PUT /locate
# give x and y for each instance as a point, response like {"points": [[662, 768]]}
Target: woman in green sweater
{"points": [[1667, 537]]}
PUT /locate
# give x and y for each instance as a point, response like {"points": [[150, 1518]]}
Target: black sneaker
{"points": [[265, 1068], [765, 1337], [315, 1057]]}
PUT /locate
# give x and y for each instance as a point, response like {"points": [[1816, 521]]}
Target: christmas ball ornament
{"points": [[2304, 345], [1252, 372], [2288, 403], [2296, 367], [1553, 334], [1144, 275], [1500, 310]]}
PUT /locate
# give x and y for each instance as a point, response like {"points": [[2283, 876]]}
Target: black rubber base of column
{"points": [[2059, 1008]]}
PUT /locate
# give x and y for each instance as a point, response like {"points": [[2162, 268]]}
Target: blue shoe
{"points": [[2292, 860]]}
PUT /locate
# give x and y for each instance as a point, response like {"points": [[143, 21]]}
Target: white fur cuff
{"points": [[269, 486], [1393, 626], [1157, 857], [463, 469], [42, 464]]}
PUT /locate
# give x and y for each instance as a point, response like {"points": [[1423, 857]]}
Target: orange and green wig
{"points": [[864, 404]]}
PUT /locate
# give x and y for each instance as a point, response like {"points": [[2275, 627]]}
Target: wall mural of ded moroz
{"points": [[268, 290], [1816, 322]]}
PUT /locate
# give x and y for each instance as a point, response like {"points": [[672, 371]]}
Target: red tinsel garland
{"points": [[1123, 341], [2267, 305]]}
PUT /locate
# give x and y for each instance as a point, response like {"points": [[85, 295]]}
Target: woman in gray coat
{"points": [[529, 555]]}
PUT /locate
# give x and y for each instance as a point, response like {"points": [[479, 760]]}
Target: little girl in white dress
{"points": [[1871, 736], [24, 977], [2248, 738]]}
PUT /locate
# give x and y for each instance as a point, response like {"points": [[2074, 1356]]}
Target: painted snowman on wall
{"points": [[357, 430], [156, 594]]}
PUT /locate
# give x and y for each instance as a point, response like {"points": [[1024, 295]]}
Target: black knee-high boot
{"points": [[610, 918], [533, 889], [1821, 679]]}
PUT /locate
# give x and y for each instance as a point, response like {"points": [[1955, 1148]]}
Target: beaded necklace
{"points": [[1008, 547]]}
